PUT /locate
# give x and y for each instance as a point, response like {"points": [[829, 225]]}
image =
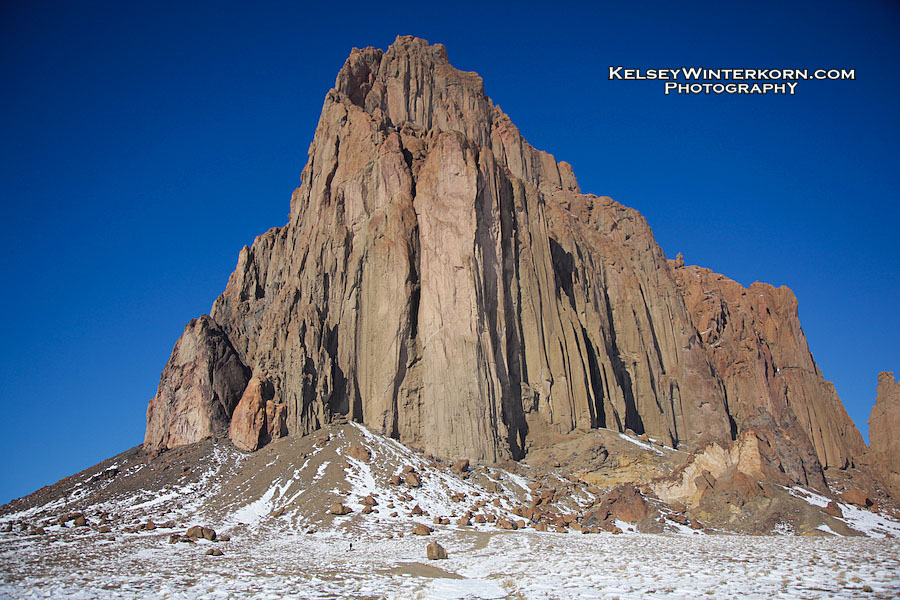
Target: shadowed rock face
{"points": [[884, 432], [198, 389], [445, 283]]}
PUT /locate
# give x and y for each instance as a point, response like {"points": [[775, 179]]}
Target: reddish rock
{"points": [[359, 452], [339, 509], [412, 480], [856, 496], [624, 502], [884, 433], [198, 390], [833, 509], [754, 340], [197, 531], [420, 529], [259, 416], [461, 466]]}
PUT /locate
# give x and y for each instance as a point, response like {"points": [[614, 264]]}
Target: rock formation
{"points": [[259, 416], [884, 432], [198, 389], [755, 342], [444, 283]]}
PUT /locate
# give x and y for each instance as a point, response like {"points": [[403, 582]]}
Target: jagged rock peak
{"points": [[755, 341], [884, 432], [446, 284]]}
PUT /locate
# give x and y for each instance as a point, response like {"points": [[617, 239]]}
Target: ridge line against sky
{"points": [[144, 145]]}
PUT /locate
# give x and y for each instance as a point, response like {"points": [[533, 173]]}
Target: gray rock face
{"points": [[443, 282], [198, 389]]}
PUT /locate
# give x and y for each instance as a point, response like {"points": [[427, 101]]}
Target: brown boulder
{"points": [[461, 466], [833, 509], [198, 531], [359, 453], [412, 480], [339, 509], [625, 502], [435, 551], [420, 529], [856, 496]]}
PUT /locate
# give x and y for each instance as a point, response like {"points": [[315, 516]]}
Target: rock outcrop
{"points": [[259, 416], [884, 432], [755, 342], [198, 389], [446, 284]]}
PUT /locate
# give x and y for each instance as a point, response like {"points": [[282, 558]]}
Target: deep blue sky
{"points": [[144, 143]]}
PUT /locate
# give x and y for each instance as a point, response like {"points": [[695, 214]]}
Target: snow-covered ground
{"points": [[283, 544], [288, 564]]}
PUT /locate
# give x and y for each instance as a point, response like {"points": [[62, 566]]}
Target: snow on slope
{"points": [[284, 544]]}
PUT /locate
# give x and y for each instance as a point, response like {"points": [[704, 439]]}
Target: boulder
{"points": [[420, 529], [339, 509], [435, 551], [461, 466], [856, 496], [359, 453], [833, 509]]}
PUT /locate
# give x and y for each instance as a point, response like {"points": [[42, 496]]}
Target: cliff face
{"points": [[755, 342], [443, 282], [884, 432]]}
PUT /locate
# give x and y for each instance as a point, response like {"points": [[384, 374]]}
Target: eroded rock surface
{"points": [[755, 342], [198, 389], [448, 285], [884, 432]]}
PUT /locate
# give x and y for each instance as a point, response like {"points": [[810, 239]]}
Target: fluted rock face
{"points": [[198, 389], [755, 342], [884, 432], [445, 283]]}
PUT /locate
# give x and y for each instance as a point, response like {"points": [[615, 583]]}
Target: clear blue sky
{"points": [[144, 143]]}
